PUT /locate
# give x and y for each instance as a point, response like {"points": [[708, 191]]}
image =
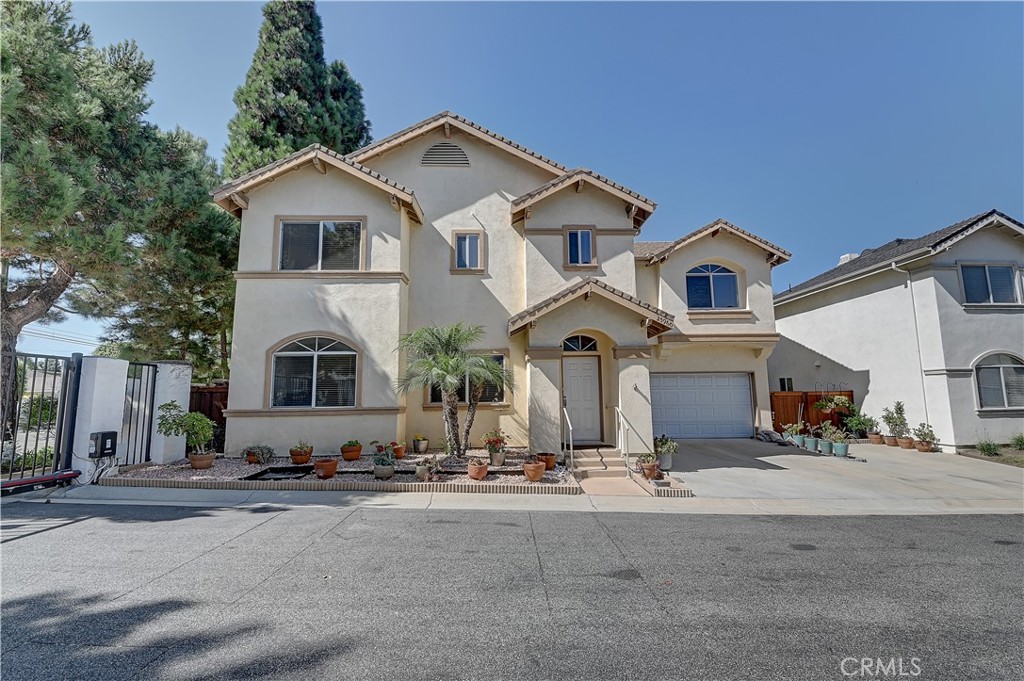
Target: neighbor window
{"points": [[988, 284], [492, 393], [712, 286], [320, 245], [786, 384], [314, 372], [468, 252], [580, 244], [1000, 380]]}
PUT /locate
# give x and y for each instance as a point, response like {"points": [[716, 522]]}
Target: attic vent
{"points": [[445, 154], [847, 257]]}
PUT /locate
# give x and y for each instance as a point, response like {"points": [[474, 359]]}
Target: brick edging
{"points": [[340, 486]]}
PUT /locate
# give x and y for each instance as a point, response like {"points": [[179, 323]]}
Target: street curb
{"points": [[339, 486]]}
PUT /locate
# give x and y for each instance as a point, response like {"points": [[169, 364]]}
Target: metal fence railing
{"points": [[136, 437]]}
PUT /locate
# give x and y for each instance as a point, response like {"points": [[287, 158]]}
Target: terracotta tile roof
{"points": [[269, 170], [572, 175], [782, 254], [875, 258], [661, 321], [646, 249], [428, 124]]}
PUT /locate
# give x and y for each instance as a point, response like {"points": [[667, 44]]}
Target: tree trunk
{"points": [[224, 352], [451, 422], [11, 385], [475, 393]]}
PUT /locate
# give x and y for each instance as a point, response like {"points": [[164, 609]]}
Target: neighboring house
{"points": [[936, 322], [446, 221]]}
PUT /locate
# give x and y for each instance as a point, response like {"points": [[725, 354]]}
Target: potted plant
{"points": [[325, 467], [476, 468], [648, 464], [427, 469], [811, 442], [197, 429], [827, 432], [665, 447], [895, 423], [398, 448], [833, 402], [301, 452], [840, 442], [383, 462], [258, 454], [793, 432], [533, 468], [925, 438], [495, 443], [352, 450], [548, 458], [420, 444]]}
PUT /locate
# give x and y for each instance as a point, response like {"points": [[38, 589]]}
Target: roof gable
{"points": [[232, 196], [448, 121], [658, 321], [874, 259], [638, 207], [775, 254]]}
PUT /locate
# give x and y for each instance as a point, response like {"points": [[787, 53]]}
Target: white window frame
{"points": [[320, 242], [711, 286], [1015, 273], [315, 354], [1002, 381]]}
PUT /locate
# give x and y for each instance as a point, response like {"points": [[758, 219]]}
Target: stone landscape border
{"points": [[346, 486]]}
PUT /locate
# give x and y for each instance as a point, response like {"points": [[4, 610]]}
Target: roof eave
{"points": [[855, 275]]}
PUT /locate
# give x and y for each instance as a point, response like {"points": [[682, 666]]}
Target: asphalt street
{"points": [[134, 592]]}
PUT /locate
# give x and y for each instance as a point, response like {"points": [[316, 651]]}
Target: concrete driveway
{"points": [[751, 469]]}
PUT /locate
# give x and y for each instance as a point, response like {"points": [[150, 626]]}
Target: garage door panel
{"points": [[701, 405]]}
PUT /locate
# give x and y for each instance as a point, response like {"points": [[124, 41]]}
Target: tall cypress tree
{"points": [[291, 98]]}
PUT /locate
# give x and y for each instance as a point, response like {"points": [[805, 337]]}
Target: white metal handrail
{"points": [[623, 428], [568, 424]]}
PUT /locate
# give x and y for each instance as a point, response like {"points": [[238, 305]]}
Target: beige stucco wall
{"points": [[739, 255], [863, 334]]}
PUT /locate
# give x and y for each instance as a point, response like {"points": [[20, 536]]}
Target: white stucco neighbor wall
{"points": [[100, 408], [863, 335], [173, 383]]}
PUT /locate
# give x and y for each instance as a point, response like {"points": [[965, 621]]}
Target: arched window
{"points": [[314, 372], [712, 286], [1000, 379], [444, 154], [579, 343]]}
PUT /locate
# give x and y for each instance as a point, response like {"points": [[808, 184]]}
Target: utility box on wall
{"points": [[102, 444]]}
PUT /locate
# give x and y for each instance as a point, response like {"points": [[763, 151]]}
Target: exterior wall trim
{"points": [[632, 352], [456, 233], [720, 338], [319, 411], [268, 374], [275, 263], [543, 353], [330, 274]]}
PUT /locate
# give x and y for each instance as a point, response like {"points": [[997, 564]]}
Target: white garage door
{"points": [[702, 405]]}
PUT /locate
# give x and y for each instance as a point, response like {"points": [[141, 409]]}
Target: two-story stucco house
{"points": [[936, 322], [446, 221]]}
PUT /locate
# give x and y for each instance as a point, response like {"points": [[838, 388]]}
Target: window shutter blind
{"points": [[494, 393], [341, 245], [1001, 280], [990, 387], [300, 245], [336, 380], [726, 290], [1014, 377], [975, 284], [293, 381]]}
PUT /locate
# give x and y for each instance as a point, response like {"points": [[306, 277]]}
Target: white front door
{"points": [[582, 390]]}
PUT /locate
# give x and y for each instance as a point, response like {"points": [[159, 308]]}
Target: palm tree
{"points": [[442, 357]]}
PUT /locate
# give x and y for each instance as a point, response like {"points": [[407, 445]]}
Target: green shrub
{"points": [[1017, 441], [40, 461], [39, 411], [987, 447], [174, 421]]}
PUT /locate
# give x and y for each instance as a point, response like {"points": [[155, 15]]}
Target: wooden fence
{"points": [[786, 407]]}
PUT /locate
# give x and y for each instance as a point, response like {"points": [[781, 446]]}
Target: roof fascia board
{"points": [[569, 178], [992, 221], [911, 257], [767, 247]]}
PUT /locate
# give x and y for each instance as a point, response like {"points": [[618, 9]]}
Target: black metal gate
{"points": [[136, 437], [37, 415]]}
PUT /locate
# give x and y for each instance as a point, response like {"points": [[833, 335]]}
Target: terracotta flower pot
{"points": [[300, 456], [875, 438], [325, 468], [549, 460], [399, 451], [534, 471], [650, 470], [905, 442], [251, 458], [923, 445], [351, 453], [890, 441], [477, 472], [201, 461]]}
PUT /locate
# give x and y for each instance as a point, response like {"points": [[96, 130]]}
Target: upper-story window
{"points": [[712, 286], [321, 244], [314, 372], [1000, 379], [445, 154], [579, 245], [467, 252], [988, 284]]}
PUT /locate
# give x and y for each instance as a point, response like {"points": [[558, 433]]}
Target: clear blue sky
{"points": [[825, 128]]}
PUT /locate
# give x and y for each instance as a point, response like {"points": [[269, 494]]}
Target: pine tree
{"points": [[291, 98]]}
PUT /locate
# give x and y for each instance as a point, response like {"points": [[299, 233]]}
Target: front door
{"points": [[581, 386]]}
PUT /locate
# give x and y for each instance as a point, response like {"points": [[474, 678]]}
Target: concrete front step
{"points": [[602, 473]]}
